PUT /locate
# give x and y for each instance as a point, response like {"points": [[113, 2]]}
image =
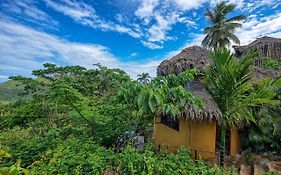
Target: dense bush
{"points": [[85, 157], [265, 134], [271, 64]]}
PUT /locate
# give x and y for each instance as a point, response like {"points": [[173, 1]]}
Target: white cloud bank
{"points": [[85, 14], [24, 49], [151, 23], [156, 19], [253, 28], [27, 10]]}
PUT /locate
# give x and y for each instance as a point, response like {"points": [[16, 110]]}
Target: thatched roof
{"points": [[267, 46], [265, 40], [189, 57], [210, 109]]}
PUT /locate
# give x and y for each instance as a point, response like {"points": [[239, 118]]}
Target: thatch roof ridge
{"points": [[261, 40], [265, 40], [267, 46], [190, 57]]}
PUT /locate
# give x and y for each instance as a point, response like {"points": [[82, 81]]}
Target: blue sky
{"points": [[134, 35]]}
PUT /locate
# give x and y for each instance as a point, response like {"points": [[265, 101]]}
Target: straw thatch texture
{"points": [[210, 109], [193, 57], [266, 46], [190, 57]]}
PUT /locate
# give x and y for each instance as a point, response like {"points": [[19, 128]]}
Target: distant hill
{"points": [[9, 91]]}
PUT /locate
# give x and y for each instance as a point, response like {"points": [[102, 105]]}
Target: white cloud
{"points": [[249, 5], [136, 68], [261, 3], [146, 9], [239, 3], [85, 14], [27, 10], [134, 54], [78, 11], [253, 28], [156, 19], [3, 78], [189, 4], [151, 45], [24, 49]]}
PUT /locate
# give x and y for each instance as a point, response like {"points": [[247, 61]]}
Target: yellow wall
{"points": [[234, 142], [169, 138], [203, 138], [197, 136]]}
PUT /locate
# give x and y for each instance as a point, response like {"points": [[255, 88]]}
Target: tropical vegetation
{"points": [[221, 31], [83, 121], [74, 120], [229, 80]]}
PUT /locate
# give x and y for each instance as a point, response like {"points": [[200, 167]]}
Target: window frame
{"points": [[173, 123]]}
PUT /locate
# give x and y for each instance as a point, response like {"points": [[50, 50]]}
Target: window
{"points": [[170, 122]]}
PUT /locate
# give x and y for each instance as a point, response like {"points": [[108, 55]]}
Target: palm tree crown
{"points": [[221, 31], [144, 78]]}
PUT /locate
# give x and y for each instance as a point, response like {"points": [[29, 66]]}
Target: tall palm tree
{"points": [[144, 78], [229, 81], [221, 31]]}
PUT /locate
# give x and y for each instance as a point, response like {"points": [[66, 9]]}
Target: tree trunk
{"points": [[222, 145], [88, 121]]}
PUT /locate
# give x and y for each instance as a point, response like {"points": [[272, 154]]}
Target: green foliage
{"points": [[271, 64], [229, 81], [85, 157], [30, 150], [14, 169], [74, 156], [265, 136], [10, 91], [162, 95], [75, 117]]}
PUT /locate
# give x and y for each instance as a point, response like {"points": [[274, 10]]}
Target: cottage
{"points": [[199, 129]]}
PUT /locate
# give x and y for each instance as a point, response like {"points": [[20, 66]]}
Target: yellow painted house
{"points": [[198, 130]]}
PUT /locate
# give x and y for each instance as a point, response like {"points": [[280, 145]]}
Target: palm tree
{"points": [[221, 31], [229, 81], [144, 78]]}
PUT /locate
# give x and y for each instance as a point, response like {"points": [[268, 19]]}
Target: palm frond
{"points": [[236, 18]]}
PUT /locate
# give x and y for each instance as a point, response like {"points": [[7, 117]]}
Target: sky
{"points": [[133, 35]]}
